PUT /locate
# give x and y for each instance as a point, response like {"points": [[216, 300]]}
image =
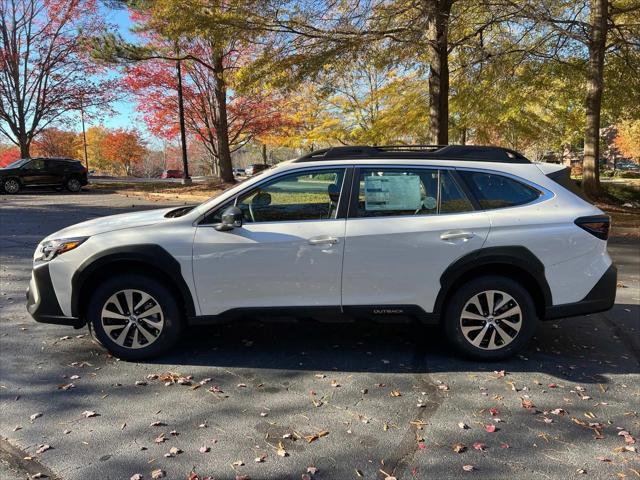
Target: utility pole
{"points": [[84, 135], [186, 179]]}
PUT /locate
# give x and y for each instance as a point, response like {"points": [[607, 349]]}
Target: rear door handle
{"points": [[323, 241], [457, 236]]}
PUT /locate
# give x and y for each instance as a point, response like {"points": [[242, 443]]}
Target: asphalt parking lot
{"points": [[282, 400]]}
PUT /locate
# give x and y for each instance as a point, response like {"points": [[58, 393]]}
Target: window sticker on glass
{"points": [[392, 192]]}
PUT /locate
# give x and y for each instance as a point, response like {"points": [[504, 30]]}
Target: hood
{"points": [[7, 170], [111, 223]]}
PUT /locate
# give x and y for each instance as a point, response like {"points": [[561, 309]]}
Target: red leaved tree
{"points": [[44, 74], [221, 120], [54, 142], [124, 148]]}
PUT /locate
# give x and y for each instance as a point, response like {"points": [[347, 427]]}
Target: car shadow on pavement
{"points": [[582, 349]]}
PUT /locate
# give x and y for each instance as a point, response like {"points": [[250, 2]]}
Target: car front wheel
{"points": [[11, 186], [134, 317], [490, 318]]}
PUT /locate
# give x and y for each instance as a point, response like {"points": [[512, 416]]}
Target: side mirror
{"points": [[231, 218]]}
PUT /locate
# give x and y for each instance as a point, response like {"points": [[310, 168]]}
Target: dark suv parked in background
{"points": [[41, 172]]}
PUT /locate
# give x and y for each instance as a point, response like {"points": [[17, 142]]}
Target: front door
{"points": [[407, 226], [288, 252], [35, 173]]}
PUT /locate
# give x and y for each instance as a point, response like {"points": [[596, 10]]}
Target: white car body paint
{"points": [[377, 261]]}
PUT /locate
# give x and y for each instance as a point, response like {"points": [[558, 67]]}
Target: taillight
{"points": [[596, 225]]}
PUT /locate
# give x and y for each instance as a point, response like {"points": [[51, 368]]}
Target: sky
{"points": [[125, 115]]}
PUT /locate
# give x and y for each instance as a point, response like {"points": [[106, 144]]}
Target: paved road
{"points": [[280, 382]]}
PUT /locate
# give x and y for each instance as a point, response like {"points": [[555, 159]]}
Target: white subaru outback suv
{"points": [[477, 239]]}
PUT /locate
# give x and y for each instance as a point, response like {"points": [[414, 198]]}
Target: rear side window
{"points": [[497, 191]]}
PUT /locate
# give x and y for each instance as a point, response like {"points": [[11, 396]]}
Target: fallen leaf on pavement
{"points": [[261, 458], [204, 449], [89, 414], [493, 411], [312, 470], [395, 393], [468, 468], [526, 403], [459, 447], [281, 452], [316, 436], [35, 415], [136, 476], [158, 473], [237, 463], [463, 425], [158, 424], [490, 428], [479, 446], [43, 448]]}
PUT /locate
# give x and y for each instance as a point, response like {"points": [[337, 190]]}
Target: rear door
{"points": [[405, 226]]}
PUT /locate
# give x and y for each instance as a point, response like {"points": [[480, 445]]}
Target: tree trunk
{"points": [[264, 153], [24, 148], [593, 101], [186, 179], [220, 122], [437, 37]]}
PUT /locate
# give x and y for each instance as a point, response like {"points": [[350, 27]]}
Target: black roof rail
{"points": [[476, 153]]}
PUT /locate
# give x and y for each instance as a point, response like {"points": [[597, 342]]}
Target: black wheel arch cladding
{"points": [[517, 257], [150, 255]]}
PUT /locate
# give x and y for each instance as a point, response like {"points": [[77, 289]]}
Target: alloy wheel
{"points": [[491, 320], [132, 318], [11, 186], [74, 185]]}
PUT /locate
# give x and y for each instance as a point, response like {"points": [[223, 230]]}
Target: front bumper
{"points": [[601, 298], [42, 303]]}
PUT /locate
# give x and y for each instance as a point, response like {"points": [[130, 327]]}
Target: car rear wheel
{"points": [[73, 185], [490, 318], [134, 317], [11, 186]]}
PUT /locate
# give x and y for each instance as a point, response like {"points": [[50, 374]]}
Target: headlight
{"points": [[52, 248]]}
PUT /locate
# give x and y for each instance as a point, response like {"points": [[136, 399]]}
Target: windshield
{"points": [[17, 163]]}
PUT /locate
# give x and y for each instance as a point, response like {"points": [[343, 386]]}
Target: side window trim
{"points": [[355, 189], [342, 202]]}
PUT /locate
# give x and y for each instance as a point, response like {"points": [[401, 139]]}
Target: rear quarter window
{"points": [[498, 191]]}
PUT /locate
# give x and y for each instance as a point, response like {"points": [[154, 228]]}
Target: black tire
{"points": [[161, 295], [11, 186], [73, 184], [453, 322]]}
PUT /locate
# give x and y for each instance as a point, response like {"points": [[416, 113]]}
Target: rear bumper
{"points": [[601, 298], [42, 303]]}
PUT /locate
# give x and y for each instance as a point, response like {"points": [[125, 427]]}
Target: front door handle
{"points": [[457, 236], [323, 241]]}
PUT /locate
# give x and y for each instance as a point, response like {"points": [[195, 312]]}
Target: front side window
{"points": [[309, 195], [497, 191], [37, 164], [393, 192]]}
